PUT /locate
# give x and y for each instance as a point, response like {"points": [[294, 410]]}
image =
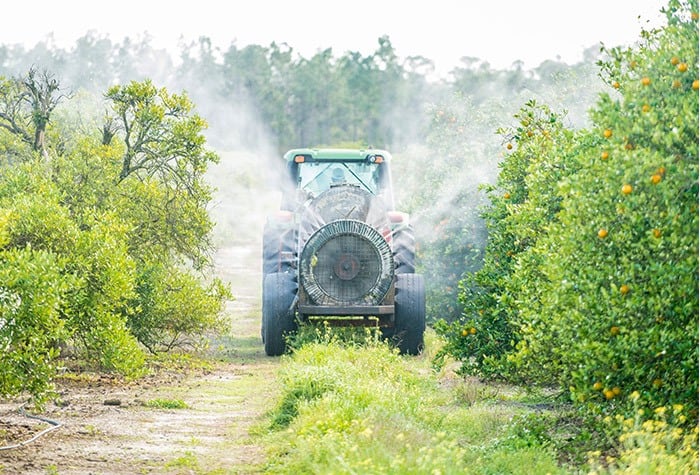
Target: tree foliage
{"points": [[590, 281], [84, 220]]}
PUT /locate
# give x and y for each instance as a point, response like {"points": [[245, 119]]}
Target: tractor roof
{"points": [[337, 154]]}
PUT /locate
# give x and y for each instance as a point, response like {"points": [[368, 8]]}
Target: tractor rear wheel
{"points": [[409, 317], [278, 319], [404, 243]]}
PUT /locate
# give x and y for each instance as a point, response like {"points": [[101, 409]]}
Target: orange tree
{"points": [[608, 298], [523, 201], [590, 280]]}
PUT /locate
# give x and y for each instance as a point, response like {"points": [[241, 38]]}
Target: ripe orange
{"points": [[602, 233], [646, 81], [661, 171], [624, 289], [608, 394], [472, 331], [682, 67], [604, 155], [506, 196], [646, 108], [616, 85], [656, 233], [655, 179], [465, 332], [616, 391], [676, 84], [597, 386], [509, 146], [696, 85], [675, 60], [607, 133], [694, 16], [614, 331], [626, 189]]}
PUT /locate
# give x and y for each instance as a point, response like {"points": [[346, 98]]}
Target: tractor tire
{"points": [[409, 317], [278, 315], [404, 242], [278, 248]]}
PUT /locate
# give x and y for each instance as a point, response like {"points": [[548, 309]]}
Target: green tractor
{"points": [[338, 251]]}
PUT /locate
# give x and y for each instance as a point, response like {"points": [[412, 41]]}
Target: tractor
{"points": [[338, 251]]}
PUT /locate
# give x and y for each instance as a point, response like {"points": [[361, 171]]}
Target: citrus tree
{"points": [[523, 202], [590, 279], [104, 240], [616, 313]]}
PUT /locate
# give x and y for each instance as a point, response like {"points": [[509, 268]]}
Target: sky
{"points": [[497, 31]]}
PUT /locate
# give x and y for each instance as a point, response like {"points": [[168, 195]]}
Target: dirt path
{"points": [[211, 435]]}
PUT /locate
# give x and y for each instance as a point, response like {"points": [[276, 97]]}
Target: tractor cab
{"points": [[313, 171]]}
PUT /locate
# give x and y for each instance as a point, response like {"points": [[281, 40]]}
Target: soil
{"points": [[110, 426]]}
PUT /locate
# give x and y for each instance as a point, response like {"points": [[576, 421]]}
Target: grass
{"points": [[347, 407], [166, 403]]}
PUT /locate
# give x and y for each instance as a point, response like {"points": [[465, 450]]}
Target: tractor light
{"points": [[299, 159]]}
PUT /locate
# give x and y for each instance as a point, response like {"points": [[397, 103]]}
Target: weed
{"points": [[166, 404]]}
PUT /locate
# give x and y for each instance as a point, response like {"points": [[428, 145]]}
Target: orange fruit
{"points": [[696, 85], [608, 394], [626, 189], [655, 179], [675, 60], [509, 146], [614, 331], [597, 386], [629, 146], [604, 155], [646, 81], [694, 15], [472, 331], [607, 133], [616, 391], [602, 233], [661, 171], [656, 233], [616, 85], [682, 67], [624, 289], [506, 196], [465, 332], [676, 84], [646, 108]]}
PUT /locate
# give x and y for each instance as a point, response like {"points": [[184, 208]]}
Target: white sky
{"points": [[498, 31]]}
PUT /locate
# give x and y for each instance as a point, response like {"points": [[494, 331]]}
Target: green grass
{"points": [[346, 406], [352, 408], [166, 403]]}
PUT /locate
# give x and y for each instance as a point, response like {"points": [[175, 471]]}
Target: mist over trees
{"points": [[271, 92], [269, 98]]}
